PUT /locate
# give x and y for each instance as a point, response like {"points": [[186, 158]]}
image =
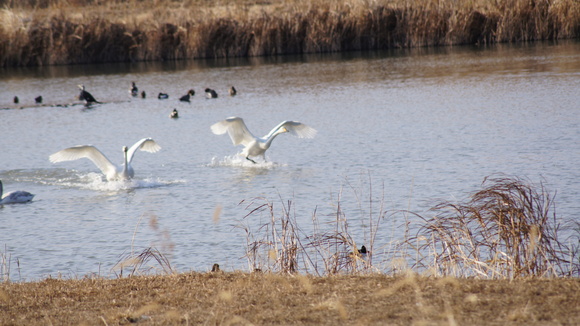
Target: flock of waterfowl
{"points": [[234, 126], [89, 99]]}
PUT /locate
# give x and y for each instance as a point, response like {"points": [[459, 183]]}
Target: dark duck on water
{"points": [[86, 96]]}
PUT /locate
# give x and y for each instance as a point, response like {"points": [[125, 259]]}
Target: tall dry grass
{"points": [[508, 229], [46, 32], [153, 259], [324, 247]]}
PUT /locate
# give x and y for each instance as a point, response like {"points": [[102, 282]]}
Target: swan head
{"points": [[125, 149]]}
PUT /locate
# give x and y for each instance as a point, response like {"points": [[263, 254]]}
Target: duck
{"points": [[111, 171], [134, 91], [186, 97], [233, 91], [86, 96], [174, 114], [162, 96], [38, 99], [14, 197], [362, 250], [255, 146], [210, 93]]}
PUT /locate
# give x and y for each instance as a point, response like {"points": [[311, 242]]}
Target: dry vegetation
{"points": [[506, 230], [46, 32], [269, 299], [496, 258]]}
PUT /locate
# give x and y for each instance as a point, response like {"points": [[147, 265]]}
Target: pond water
{"points": [[398, 130]]}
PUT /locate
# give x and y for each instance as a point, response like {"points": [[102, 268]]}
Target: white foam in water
{"points": [[96, 181], [240, 161]]}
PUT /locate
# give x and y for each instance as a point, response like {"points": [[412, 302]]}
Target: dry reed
{"points": [[508, 229], [282, 245], [47, 32], [141, 264]]}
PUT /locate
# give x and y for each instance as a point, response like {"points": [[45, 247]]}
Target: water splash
{"points": [[240, 161], [97, 182]]}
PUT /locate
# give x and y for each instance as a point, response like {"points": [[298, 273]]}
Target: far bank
{"points": [[60, 32]]}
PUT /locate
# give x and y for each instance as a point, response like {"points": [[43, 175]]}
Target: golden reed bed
{"points": [[48, 32]]}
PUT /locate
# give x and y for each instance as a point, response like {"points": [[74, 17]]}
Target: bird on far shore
{"points": [[143, 94], [233, 91], [86, 96], [14, 197], [16, 100], [254, 146], [162, 96], [210, 93], [38, 99], [134, 91], [186, 97]]}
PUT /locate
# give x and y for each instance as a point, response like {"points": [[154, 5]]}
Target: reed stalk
{"points": [[281, 245], [51, 32], [508, 229]]}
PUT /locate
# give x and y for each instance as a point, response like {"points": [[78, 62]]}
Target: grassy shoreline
{"points": [[54, 32], [266, 299]]}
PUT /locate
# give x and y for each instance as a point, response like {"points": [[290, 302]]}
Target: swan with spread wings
{"points": [[256, 146], [111, 171]]}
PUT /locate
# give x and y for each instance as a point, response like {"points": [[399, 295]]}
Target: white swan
{"points": [[110, 170], [13, 197], [255, 146]]}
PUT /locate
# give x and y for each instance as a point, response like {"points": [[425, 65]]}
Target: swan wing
{"points": [[295, 128], [84, 151], [145, 144], [236, 128]]}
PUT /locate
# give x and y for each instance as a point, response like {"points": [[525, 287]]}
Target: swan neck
{"points": [[271, 138], [125, 163]]}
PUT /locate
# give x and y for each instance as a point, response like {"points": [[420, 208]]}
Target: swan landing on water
{"points": [[14, 197], [255, 146], [111, 171]]}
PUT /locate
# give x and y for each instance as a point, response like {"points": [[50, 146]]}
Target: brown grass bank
{"points": [[270, 299], [47, 32]]}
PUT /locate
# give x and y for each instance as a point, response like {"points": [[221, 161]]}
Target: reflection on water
{"points": [[402, 129]]}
